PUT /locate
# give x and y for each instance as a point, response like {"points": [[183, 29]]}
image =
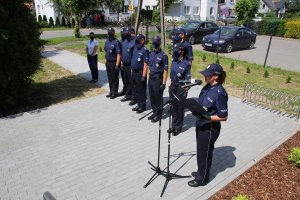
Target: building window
{"points": [[38, 9], [187, 10], [154, 7], [231, 1], [211, 11], [264, 5], [147, 7], [126, 9], [196, 10]]}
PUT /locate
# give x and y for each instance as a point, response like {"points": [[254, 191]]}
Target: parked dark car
{"points": [[195, 30], [231, 38]]}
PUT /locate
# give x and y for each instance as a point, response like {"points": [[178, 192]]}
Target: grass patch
{"points": [[53, 84], [237, 76]]}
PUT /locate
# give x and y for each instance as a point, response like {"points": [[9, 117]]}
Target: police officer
{"points": [[158, 67], [127, 50], [213, 98], [92, 56], [180, 73], [112, 49], [123, 38], [179, 39], [139, 67]]}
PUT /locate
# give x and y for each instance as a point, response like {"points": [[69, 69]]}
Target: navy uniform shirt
{"points": [[127, 49], [139, 57], [112, 48], [180, 70], [214, 99], [188, 49], [158, 62]]}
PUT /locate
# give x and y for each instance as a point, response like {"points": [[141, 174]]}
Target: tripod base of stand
{"points": [[169, 176], [157, 171]]}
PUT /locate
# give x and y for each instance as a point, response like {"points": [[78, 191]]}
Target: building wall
{"points": [[263, 8], [149, 4], [42, 7]]}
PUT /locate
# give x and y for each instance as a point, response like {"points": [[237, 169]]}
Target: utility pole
{"points": [[162, 23], [138, 14]]}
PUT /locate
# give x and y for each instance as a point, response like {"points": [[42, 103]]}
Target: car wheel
{"points": [[251, 45], [228, 48], [192, 40]]}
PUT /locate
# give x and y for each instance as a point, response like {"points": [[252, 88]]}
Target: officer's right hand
{"points": [[117, 67], [143, 79], [162, 87]]}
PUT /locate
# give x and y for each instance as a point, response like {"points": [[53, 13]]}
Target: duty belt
{"points": [[137, 70], [156, 76]]}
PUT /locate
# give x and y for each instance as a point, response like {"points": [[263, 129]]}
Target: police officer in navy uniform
{"points": [[213, 98], [180, 73], [123, 38], [127, 50], [139, 67], [158, 67], [112, 49], [179, 39]]}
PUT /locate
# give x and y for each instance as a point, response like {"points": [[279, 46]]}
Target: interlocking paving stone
{"points": [[96, 148]]}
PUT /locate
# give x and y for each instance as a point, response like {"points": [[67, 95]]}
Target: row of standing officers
{"points": [[132, 58]]}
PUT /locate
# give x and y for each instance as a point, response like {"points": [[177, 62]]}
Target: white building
{"points": [[43, 7]]}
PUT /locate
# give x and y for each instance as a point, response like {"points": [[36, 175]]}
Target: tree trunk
{"points": [[138, 14], [162, 23]]}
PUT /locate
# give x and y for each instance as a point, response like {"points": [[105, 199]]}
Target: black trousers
{"points": [[123, 74], [206, 136], [113, 77], [155, 94], [93, 64], [177, 108], [127, 81], [139, 88]]}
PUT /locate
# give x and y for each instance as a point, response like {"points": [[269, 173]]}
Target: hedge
{"points": [[293, 29]]}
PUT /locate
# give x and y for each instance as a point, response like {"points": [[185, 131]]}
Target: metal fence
{"points": [[276, 100]]}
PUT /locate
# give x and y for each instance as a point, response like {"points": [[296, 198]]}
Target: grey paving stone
{"points": [[96, 148]]}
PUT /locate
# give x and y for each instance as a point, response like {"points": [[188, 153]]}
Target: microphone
{"points": [[197, 82]]}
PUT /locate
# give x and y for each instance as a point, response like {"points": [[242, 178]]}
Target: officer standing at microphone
{"points": [[180, 73], [113, 59], [179, 39], [127, 50], [213, 98], [158, 67], [139, 67]]}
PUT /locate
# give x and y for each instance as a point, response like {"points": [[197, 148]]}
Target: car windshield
{"points": [[191, 25], [226, 31]]}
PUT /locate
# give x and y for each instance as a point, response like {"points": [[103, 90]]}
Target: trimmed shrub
{"points": [[63, 22], [51, 22], [240, 197], [232, 65], [57, 22], [272, 26], [204, 58], [248, 71], [218, 61], [40, 19], [280, 30], [45, 19], [288, 79], [19, 53], [266, 74], [294, 156], [293, 29]]}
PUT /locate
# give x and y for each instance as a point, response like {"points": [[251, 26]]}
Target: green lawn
{"points": [[55, 29], [236, 77], [53, 84]]}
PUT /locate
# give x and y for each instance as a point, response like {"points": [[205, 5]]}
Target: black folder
{"points": [[194, 106]]}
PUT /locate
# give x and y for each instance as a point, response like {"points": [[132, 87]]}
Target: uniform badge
{"points": [[157, 65], [179, 75], [128, 50], [139, 59], [110, 51]]}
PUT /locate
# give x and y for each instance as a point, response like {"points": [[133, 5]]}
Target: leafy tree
{"points": [[40, 19], [246, 10], [293, 6], [115, 5], [19, 52], [45, 19], [57, 22]]}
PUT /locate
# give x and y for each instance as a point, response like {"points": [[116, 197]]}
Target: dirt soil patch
{"points": [[273, 177]]}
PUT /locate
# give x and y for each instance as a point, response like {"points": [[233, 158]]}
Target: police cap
{"points": [[111, 31], [156, 39], [212, 69]]}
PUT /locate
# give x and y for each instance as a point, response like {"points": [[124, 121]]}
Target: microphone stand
{"points": [[167, 174]]}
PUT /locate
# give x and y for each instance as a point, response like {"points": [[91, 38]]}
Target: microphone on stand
{"points": [[192, 83]]}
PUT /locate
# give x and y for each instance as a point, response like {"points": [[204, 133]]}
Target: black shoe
{"points": [[170, 130], [132, 102], [151, 116], [175, 132], [194, 183], [125, 99], [108, 96], [155, 119], [122, 93], [140, 110], [113, 96], [91, 81], [135, 108]]}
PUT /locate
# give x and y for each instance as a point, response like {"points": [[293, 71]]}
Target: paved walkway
{"points": [[96, 148]]}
